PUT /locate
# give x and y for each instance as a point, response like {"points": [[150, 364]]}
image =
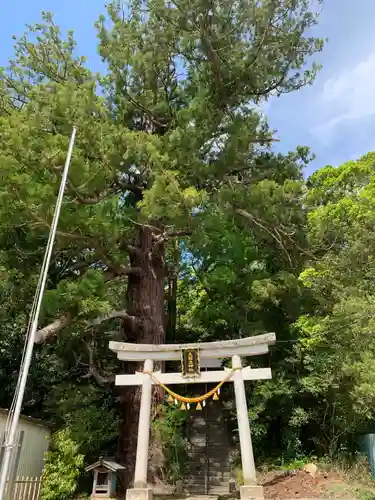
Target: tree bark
{"points": [[172, 293], [145, 325]]}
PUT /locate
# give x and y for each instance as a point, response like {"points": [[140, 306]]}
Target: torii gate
{"points": [[148, 353]]}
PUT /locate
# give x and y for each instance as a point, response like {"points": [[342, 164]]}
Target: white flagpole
{"points": [[24, 371]]}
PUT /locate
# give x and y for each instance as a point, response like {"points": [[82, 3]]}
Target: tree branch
{"points": [[53, 328], [93, 369], [253, 219], [176, 234], [117, 186], [66, 320], [114, 267], [86, 200], [112, 315]]}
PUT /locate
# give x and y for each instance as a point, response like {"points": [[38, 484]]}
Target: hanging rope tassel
{"points": [[215, 397], [170, 399], [183, 407], [199, 406]]}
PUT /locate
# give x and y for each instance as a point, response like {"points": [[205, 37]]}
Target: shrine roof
{"points": [[109, 464]]}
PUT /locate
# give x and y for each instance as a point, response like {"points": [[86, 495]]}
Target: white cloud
{"points": [[348, 96]]}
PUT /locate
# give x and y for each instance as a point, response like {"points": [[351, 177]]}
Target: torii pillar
{"points": [[148, 353]]}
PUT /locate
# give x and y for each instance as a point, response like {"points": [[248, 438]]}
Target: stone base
{"points": [[139, 494], [251, 492], [102, 496]]}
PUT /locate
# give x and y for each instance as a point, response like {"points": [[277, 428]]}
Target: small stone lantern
{"points": [[105, 477]]}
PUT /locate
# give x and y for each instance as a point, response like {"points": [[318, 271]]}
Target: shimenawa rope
{"points": [[177, 397]]}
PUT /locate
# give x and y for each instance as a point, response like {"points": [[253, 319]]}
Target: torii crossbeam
{"points": [[148, 353]]}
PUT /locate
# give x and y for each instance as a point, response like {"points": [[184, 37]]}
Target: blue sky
{"points": [[335, 117]]}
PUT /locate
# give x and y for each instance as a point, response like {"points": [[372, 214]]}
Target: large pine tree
{"points": [[169, 131]]}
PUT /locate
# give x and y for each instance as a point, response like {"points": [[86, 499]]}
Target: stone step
{"points": [[211, 447], [207, 432], [213, 429], [191, 474], [211, 451], [198, 423], [203, 497], [214, 426], [213, 458], [213, 478], [212, 455], [192, 478], [203, 460], [210, 439], [218, 442], [210, 442], [213, 467], [216, 478], [191, 471], [215, 449], [217, 490], [202, 481], [200, 420], [201, 488]]}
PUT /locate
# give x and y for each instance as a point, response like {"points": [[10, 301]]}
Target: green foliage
{"points": [[297, 463], [238, 476], [62, 468], [337, 347], [88, 413], [170, 140], [168, 429]]}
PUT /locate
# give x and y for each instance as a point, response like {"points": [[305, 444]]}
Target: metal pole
{"points": [[13, 473], [10, 438]]}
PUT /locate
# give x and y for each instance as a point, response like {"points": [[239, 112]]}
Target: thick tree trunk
{"points": [[145, 306], [172, 293]]}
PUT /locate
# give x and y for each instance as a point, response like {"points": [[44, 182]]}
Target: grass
{"points": [[358, 483], [353, 474]]}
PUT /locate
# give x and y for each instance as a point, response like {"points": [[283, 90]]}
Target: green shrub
{"points": [[62, 468], [168, 430]]}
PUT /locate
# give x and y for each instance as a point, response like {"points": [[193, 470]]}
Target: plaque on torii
{"points": [[191, 356]]}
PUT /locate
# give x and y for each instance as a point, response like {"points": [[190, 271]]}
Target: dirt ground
{"points": [[325, 485]]}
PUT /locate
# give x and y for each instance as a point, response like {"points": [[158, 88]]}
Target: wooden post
{"points": [[247, 456], [95, 481], [141, 462]]}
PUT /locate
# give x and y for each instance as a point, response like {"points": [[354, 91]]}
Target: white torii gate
{"points": [[148, 353]]}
